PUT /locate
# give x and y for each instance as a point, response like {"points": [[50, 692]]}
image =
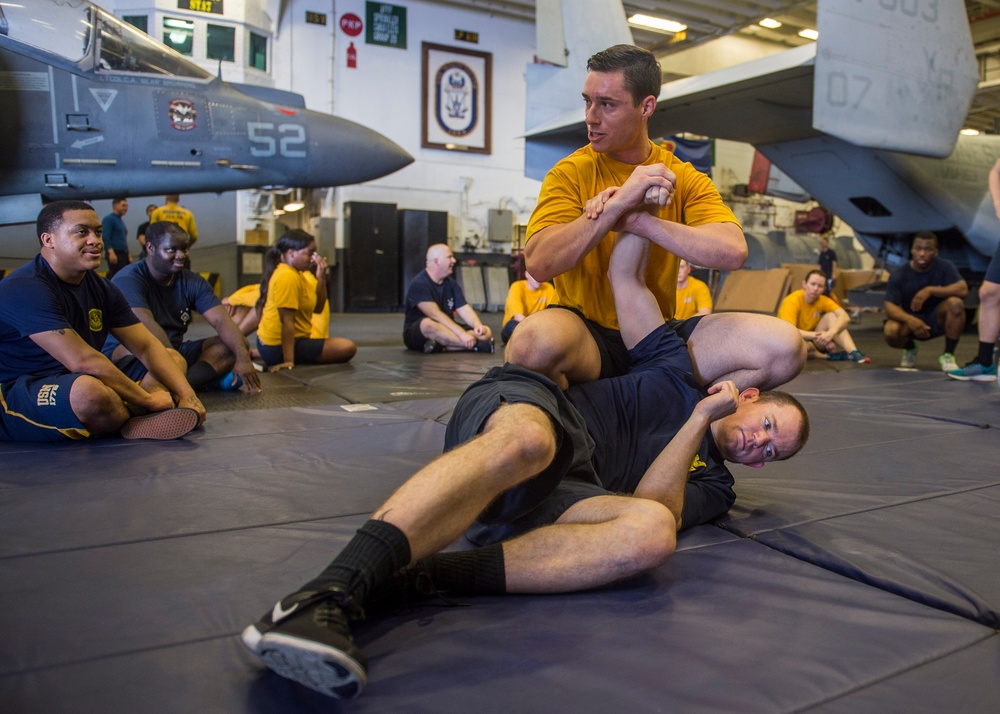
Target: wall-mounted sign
{"points": [[386, 25], [351, 24], [466, 36], [212, 6], [315, 18]]}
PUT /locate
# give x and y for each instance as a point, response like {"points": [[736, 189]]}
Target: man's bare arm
{"points": [[666, 477], [145, 316], [558, 248], [160, 365], [231, 336], [77, 356]]}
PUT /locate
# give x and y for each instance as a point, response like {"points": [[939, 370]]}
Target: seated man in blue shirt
{"points": [[55, 315], [538, 478], [163, 293], [433, 297]]}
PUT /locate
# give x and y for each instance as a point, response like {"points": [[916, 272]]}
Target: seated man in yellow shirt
{"points": [[821, 321], [693, 296], [524, 298]]}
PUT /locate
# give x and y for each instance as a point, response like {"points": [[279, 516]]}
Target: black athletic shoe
{"points": [[484, 346], [306, 637], [432, 347]]}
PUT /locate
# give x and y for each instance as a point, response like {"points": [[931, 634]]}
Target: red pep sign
{"points": [[351, 24]]}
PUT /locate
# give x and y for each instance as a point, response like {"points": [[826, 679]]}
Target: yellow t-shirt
{"points": [[522, 299], [288, 288], [581, 176], [796, 310], [692, 298], [248, 296], [179, 215]]}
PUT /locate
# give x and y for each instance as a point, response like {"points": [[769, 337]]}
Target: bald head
{"points": [[440, 262]]}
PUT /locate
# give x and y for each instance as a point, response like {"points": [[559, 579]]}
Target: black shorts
{"points": [[307, 351], [993, 270], [413, 338], [615, 360], [570, 476]]}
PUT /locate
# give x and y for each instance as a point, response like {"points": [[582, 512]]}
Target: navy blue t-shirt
{"points": [[905, 282], [170, 304], [33, 299], [448, 296], [632, 418]]}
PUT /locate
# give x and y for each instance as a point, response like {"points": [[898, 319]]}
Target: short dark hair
{"points": [[118, 200], [51, 215], [813, 272], [638, 66], [780, 398], [924, 235], [157, 232]]}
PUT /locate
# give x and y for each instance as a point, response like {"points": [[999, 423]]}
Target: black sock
{"points": [[479, 571], [200, 375], [950, 345], [377, 551], [910, 345], [985, 356]]}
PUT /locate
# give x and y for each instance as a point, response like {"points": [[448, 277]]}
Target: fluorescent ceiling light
{"points": [[969, 132], [809, 34], [769, 23], [294, 206], [657, 23]]}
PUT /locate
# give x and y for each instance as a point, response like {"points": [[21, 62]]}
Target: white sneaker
{"points": [[948, 363], [909, 360]]}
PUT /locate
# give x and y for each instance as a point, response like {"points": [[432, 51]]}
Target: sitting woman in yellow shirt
{"points": [[288, 300], [242, 307]]}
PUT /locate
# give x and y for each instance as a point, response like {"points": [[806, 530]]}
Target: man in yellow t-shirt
{"points": [[524, 298], [693, 296], [621, 181], [176, 214], [821, 321]]}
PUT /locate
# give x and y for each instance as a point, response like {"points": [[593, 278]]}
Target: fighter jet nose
{"points": [[347, 152]]}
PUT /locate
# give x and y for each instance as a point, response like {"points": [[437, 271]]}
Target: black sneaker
{"points": [[306, 637], [484, 346], [431, 347]]}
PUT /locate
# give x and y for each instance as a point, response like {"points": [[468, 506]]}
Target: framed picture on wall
{"points": [[456, 99]]}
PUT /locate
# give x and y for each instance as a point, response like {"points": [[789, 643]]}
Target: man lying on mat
{"points": [[562, 491]]}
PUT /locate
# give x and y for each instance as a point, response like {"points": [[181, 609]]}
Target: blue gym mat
{"points": [[860, 576]]}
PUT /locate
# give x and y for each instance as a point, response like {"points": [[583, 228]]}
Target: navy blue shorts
{"points": [[615, 359], [38, 409], [307, 351], [191, 351], [993, 271], [930, 317]]}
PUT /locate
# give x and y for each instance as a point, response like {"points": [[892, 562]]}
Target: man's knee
{"points": [[526, 434], [989, 294], [91, 399], [649, 534], [555, 343]]}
